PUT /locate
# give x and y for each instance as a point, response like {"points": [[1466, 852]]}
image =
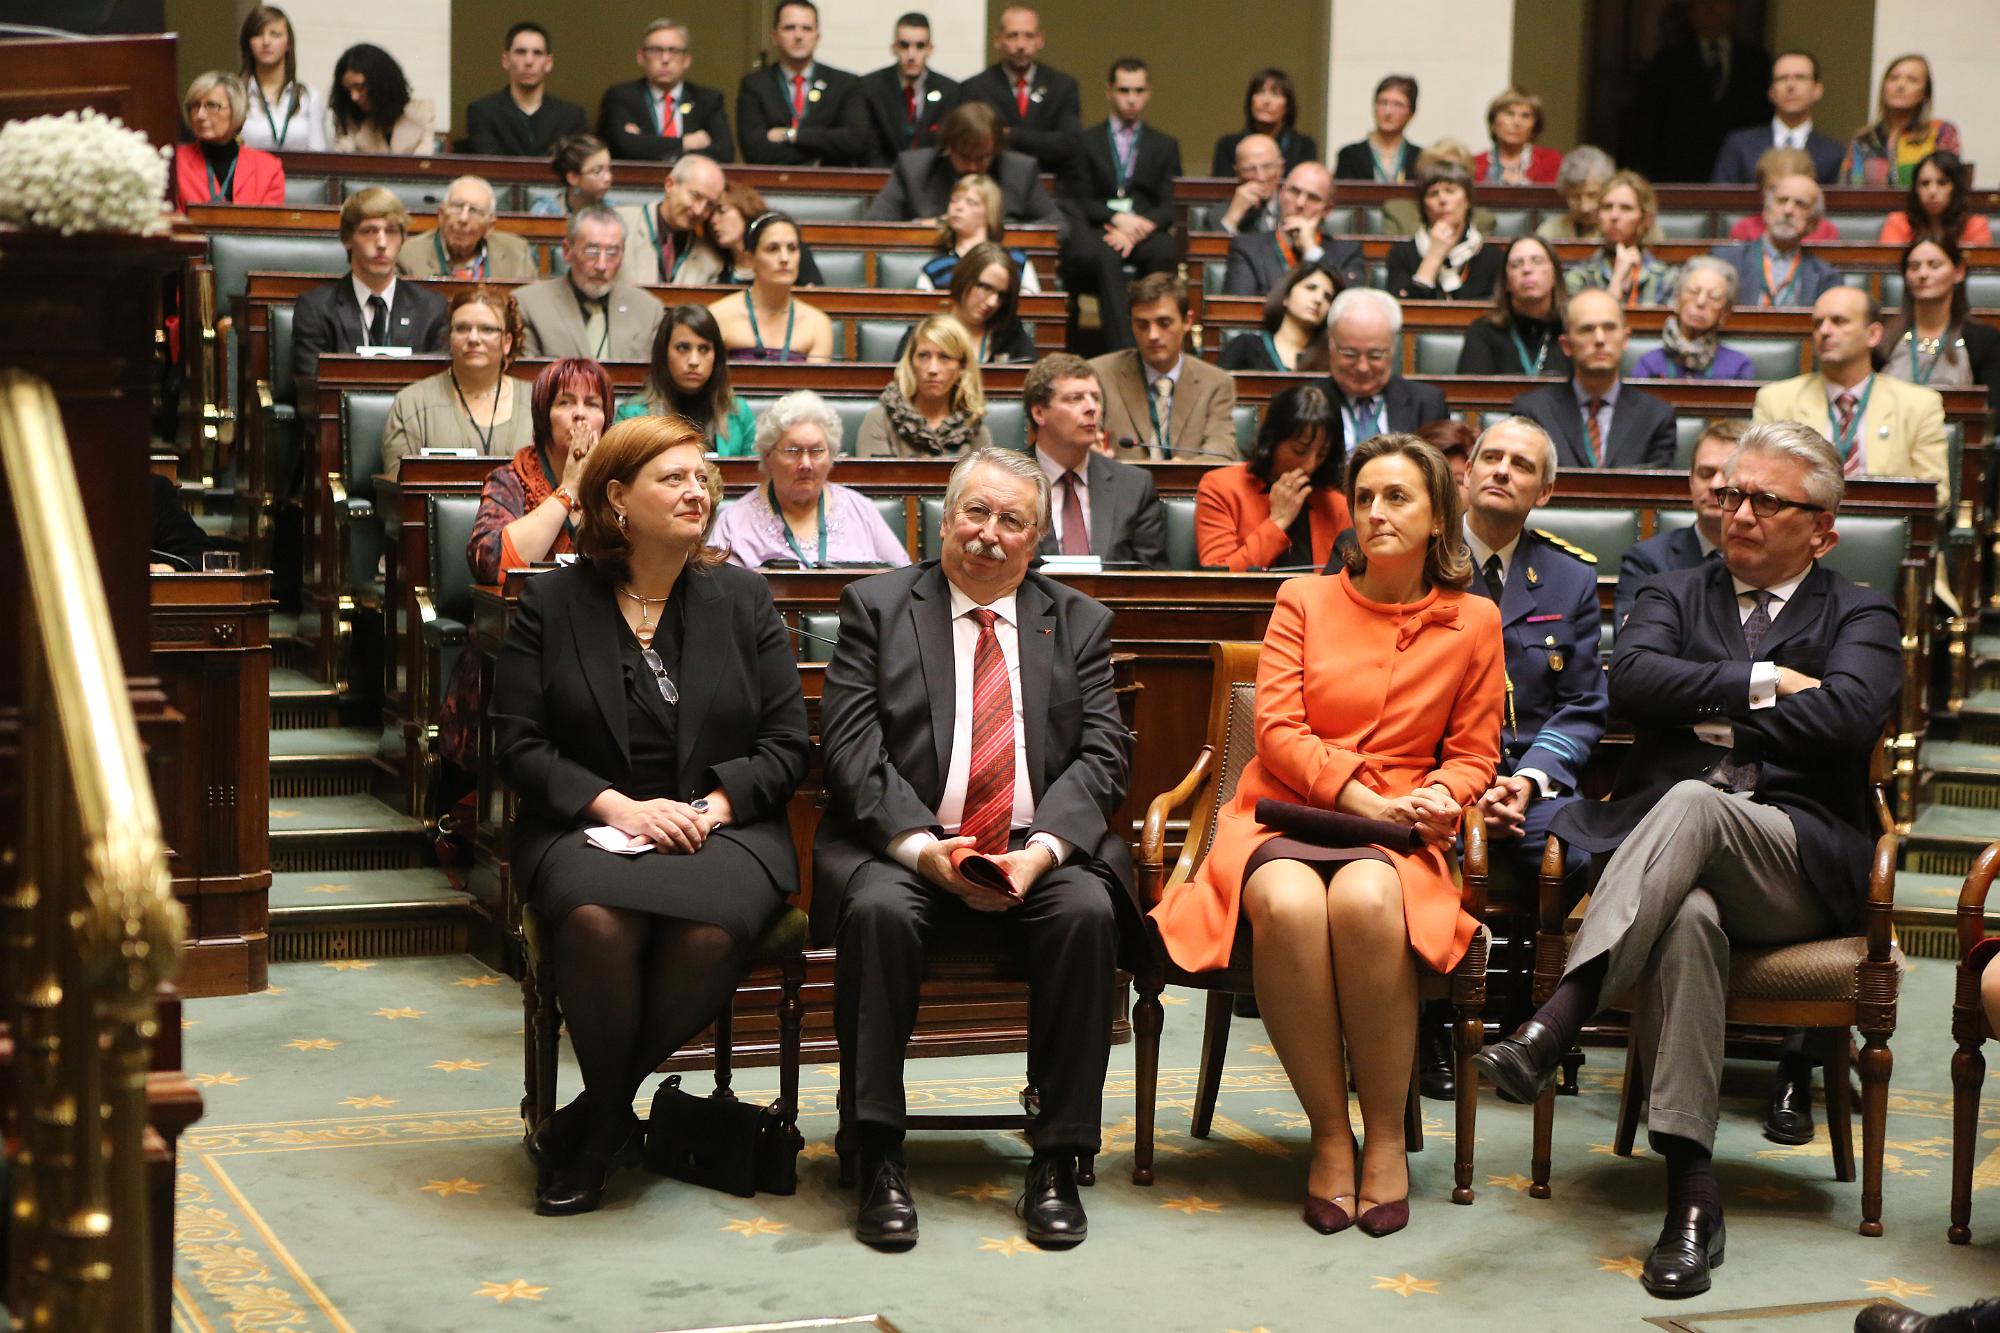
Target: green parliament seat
{"points": [[281, 424], [235, 255], [1230, 335], [1982, 288], [360, 541], [1213, 274], [636, 196], [1367, 222], [1437, 353], [842, 268], [818, 207], [534, 194], [822, 625], [878, 339], [1687, 434], [1858, 228], [839, 327], [1378, 273], [1007, 422], [1605, 533], [420, 194], [849, 410], [896, 269], [890, 507], [1687, 224], [1770, 358], [1243, 417], [1181, 549], [1870, 551], [446, 598], [930, 519], [1511, 222], [308, 190]]}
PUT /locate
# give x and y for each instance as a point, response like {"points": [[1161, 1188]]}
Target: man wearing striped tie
{"points": [[968, 710], [1598, 420]]}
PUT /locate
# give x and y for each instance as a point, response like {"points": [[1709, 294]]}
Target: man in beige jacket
{"points": [[1160, 401], [587, 311], [464, 245]]}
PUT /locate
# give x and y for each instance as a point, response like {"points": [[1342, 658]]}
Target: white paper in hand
{"points": [[613, 840]]}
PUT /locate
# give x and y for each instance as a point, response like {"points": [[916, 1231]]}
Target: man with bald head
{"points": [[1259, 260], [464, 244], [1595, 419], [1260, 165], [664, 241], [1775, 269], [1041, 108]]}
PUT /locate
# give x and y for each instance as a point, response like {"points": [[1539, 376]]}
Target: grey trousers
{"points": [[1704, 868]]}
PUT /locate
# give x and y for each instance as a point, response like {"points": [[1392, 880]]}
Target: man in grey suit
{"points": [[1160, 401], [1103, 507], [587, 311], [969, 709], [1776, 270], [1259, 260], [919, 184], [1595, 418]]}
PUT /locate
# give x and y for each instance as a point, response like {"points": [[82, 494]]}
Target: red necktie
{"points": [[798, 97], [1021, 98], [910, 100], [989, 786], [672, 120], [1075, 532]]}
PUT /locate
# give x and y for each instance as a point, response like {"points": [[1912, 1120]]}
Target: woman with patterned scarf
{"points": [[1691, 343], [935, 406]]}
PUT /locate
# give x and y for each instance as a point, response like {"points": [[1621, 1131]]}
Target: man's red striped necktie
{"points": [[989, 787]]}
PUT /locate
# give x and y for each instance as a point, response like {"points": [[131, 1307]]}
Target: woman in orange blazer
{"points": [[1284, 506], [217, 168], [1379, 694]]}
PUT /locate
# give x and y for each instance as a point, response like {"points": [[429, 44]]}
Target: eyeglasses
{"points": [[600, 253], [462, 208], [1763, 504], [793, 453], [213, 108], [1374, 356], [659, 670], [476, 330], [1010, 523], [663, 51]]}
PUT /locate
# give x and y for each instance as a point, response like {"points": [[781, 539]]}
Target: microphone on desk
{"points": [[1127, 442], [816, 638], [168, 557]]}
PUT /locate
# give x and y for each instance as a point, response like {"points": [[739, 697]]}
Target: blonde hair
{"points": [[950, 337], [989, 197], [1642, 190]]}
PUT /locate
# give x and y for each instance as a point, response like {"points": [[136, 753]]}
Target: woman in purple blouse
{"points": [[796, 515]]}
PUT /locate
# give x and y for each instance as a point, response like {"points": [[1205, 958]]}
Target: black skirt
{"points": [[723, 884]]}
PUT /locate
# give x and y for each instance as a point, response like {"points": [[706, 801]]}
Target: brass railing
{"points": [[91, 924]]}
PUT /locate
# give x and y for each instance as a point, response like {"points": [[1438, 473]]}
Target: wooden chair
{"points": [[1970, 1030], [1209, 785], [1831, 985]]}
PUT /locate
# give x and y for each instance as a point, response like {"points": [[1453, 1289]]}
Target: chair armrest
{"points": [[1474, 864], [1552, 911], [1153, 834], [1972, 899], [444, 632], [1878, 922]]}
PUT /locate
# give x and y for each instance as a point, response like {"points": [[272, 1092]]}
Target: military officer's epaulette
{"points": [[1561, 545]]}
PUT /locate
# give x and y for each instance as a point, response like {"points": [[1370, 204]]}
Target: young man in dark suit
{"points": [[797, 112], [921, 181], [1041, 107], [1683, 548], [906, 100], [661, 116], [969, 707], [1369, 396], [1759, 688], [1103, 507], [1596, 419], [1118, 201], [522, 120], [370, 306], [1795, 91]]}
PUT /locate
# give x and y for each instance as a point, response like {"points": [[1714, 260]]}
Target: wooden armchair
{"points": [[1208, 786], [1970, 1030]]}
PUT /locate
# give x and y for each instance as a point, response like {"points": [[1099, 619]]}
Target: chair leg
{"points": [[1214, 1051], [1631, 1096], [724, 1050], [547, 1036], [1968, 1075], [1876, 1063], [1839, 1109], [791, 1027], [1148, 1017], [531, 1099], [1413, 1115], [1545, 1125], [1471, 1035]]}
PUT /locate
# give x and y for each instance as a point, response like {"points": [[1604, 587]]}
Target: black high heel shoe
{"points": [[577, 1186], [555, 1140]]}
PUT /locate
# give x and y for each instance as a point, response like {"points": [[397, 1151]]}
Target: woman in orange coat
{"points": [[1379, 694], [1283, 507]]}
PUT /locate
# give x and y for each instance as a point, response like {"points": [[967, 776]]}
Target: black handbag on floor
{"points": [[733, 1146]]}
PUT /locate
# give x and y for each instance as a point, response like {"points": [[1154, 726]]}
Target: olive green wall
{"points": [[1548, 61], [207, 36]]}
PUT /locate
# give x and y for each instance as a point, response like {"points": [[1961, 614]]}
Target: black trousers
{"points": [[1066, 937], [1087, 264]]}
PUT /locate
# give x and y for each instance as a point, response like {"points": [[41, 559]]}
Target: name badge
{"points": [[1119, 205]]}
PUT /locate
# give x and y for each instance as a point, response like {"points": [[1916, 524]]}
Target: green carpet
{"points": [[360, 1167]]}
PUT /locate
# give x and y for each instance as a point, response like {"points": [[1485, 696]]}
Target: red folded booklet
{"points": [[983, 870]]}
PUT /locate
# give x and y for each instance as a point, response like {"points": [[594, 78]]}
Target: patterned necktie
{"points": [[1163, 406], [378, 322], [1075, 530], [1735, 776], [798, 98], [1590, 411], [1496, 584], [989, 785], [1850, 435], [1021, 98], [910, 103], [1367, 420]]}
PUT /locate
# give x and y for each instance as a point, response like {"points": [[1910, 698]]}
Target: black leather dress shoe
{"points": [[577, 1186], [1050, 1204], [1790, 1118], [1690, 1244], [1435, 1077], [1979, 1317], [1520, 1066], [555, 1140], [887, 1217]]}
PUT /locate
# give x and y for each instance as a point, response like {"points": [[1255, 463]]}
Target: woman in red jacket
{"points": [[215, 168], [1515, 120], [1284, 507]]}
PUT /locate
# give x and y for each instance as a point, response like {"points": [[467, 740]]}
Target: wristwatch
{"points": [[792, 134], [699, 805]]}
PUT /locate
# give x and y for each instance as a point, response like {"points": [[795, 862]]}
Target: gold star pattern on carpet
{"points": [[472, 982], [372, 1102], [1516, 1182], [1259, 1329], [329, 888], [1289, 1119], [1608, 1149], [1261, 1048], [1173, 999], [517, 1290], [1406, 1286], [311, 1044], [393, 1014], [1009, 1247], [1895, 1288], [818, 1150], [1191, 1204], [980, 1193], [350, 964], [187, 1023], [1630, 1265], [222, 1080], [756, 1226], [459, 1066], [444, 1189]]}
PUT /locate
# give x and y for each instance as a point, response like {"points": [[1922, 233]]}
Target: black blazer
{"points": [[1678, 549], [1736, 164], [498, 128], [919, 186], [1682, 124], [889, 128], [1256, 264], [1490, 351], [1642, 427], [1090, 177], [177, 539], [328, 319], [834, 132], [1356, 161], [886, 726], [1681, 659], [1410, 406], [1128, 521], [631, 104], [1055, 111], [1296, 148], [1481, 275], [558, 710]]}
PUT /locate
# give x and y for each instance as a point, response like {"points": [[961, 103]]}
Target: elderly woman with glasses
{"points": [[474, 404], [464, 244], [797, 516], [216, 168], [1691, 342]]}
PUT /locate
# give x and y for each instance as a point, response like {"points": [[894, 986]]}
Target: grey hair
{"points": [[666, 25], [1549, 461], [492, 200], [1721, 268], [1011, 461], [685, 166], [1819, 195], [1585, 164], [802, 407], [1391, 309], [232, 88], [593, 213], [1826, 483]]}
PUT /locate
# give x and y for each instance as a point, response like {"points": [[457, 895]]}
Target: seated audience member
{"points": [[689, 378], [475, 404], [585, 310], [1118, 201], [522, 119], [1103, 507], [1743, 813], [1253, 205], [1380, 693], [465, 245], [1523, 333], [371, 110], [178, 541], [935, 405], [1294, 333], [1515, 121], [1691, 340], [1626, 213], [1938, 204], [1259, 260], [664, 240], [647, 948], [1934, 340], [1406, 216], [284, 112], [1447, 259], [1270, 110], [1795, 91], [215, 168], [797, 515], [972, 217], [985, 296], [729, 231], [1688, 547], [1159, 401], [1903, 133], [582, 164], [1775, 270], [1595, 419], [922, 180], [1040, 106], [1384, 155], [1880, 427], [369, 307], [799, 332], [1581, 179], [1453, 438], [796, 112], [1283, 508], [1370, 397], [1777, 162], [1037, 763], [660, 116], [907, 100], [1703, 82]]}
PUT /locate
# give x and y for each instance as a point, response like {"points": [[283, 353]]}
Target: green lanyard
{"points": [[1920, 372], [1521, 350], [756, 336], [1383, 173], [1845, 440], [278, 136], [1271, 349], [445, 268], [220, 189], [771, 491], [1121, 164], [650, 216]]}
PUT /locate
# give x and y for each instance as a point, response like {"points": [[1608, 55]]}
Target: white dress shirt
{"points": [[1786, 136], [388, 295], [1054, 472], [666, 105], [1763, 675]]}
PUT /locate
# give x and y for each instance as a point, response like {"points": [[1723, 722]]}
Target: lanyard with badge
{"points": [[1521, 350], [220, 189], [1845, 440], [650, 217], [447, 269], [1776, 292], [1920, 370], [771, 490], [1122, 165], [278, 135]]}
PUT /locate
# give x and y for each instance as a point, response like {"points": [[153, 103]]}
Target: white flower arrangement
{"points": [[81, 171]]}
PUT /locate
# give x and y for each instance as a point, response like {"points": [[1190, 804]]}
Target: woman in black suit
{"points": [[648, 688], [1448, 259], [1269, 107]]}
